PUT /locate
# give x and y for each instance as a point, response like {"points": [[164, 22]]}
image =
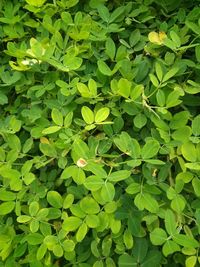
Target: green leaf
{"points": [[78, 175], [68, 201], [72, 63], [193, 166], [71, 223], [83, 90], [103, 67], [24, 219], [178, 204], [89, 205], [41, 252], [54, 199], [124, 87], [92, 221], [36, 3], [29, 178], [155, 161], [154, 80], [128, 239], [92, 85], [81, 148], [197, 53], [81, 233], [87, 115], [110, 48], [118, 176], [34, 226], [185, 241], [140, 120], [194, 27], [160, 97], [149, 203], [68, 120], [159, 71], [27, 145], [108, 192], [189, 151], [150, 149], [153, 258], [175, 38], [33, 208], [7, 195], [57, 116], [6, 207], [127, 261], [51, 129], [133, 188], [182, 134], [3, 99], [179, 120], [102, 114], [172, 72], [196, 125], [93, 183], [170, 222], [196, 186], [158, 236], [57, 250], [173, 99], [134, 148], [34, 239], [170, 247], [68, 245]]}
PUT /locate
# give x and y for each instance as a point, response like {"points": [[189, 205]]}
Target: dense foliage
{"points": [[99, 133]]}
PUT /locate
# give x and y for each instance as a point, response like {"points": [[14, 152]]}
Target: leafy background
{"points": [[99, 133]]}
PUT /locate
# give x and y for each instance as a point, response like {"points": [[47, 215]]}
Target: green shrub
{"points": [[99, 133]]}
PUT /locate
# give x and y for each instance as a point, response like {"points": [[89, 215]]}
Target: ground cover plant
{"points": [[99, 133]]}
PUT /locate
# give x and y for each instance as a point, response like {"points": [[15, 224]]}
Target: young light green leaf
{"points": [[36, 3], [124, 87], [51, 129], [24, 219], [71, 223], [89, 205], [175, 38], [57, 116], [172, 72], [154, 80], [189, 151], [87, 115], [103, 67], [6, 207], [196, 186], [102, 114], [83, 90], [185, 241], [81, 233], [68, 245]]}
